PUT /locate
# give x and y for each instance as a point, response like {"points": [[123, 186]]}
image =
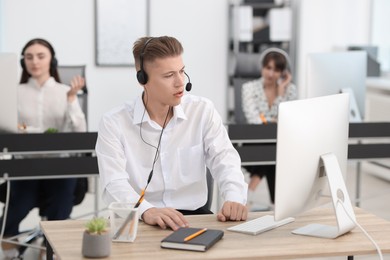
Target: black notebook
{"points": [[201, 242]]}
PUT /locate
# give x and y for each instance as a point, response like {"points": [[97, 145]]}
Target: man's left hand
{"points": [[232, 211]]}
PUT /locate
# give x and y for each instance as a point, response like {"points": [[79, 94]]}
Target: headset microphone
{"points": [[189, 84]]}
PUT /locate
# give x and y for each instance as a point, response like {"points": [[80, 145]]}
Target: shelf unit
{"points": [[256, 38]]}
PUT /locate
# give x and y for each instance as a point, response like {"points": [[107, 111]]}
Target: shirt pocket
{"points": [[192, 163]]}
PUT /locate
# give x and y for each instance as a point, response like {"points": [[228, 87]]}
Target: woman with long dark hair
{"points": [[43, 104]]}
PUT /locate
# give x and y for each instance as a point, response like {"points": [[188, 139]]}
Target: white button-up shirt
{"points": [[195, 138], [47, 106]]}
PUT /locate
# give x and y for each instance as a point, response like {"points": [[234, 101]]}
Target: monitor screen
{"points": [[334, 72], [8, 92], [311, 157]]}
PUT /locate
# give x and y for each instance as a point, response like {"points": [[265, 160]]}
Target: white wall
{"points": [[201, 26], [329, 25], [380, 32], [1, 24]]}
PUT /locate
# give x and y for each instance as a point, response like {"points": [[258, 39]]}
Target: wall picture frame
{"points": [[118, 23]]}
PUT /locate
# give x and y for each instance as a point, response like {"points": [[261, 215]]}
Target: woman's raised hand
{"points": [[76, 84]]}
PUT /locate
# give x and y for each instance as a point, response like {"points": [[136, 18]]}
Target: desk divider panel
{"points": [[71, 155], [257, 143]]}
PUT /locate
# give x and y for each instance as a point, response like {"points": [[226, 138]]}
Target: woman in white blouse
{"points": [[43, 104], [260, 101]]}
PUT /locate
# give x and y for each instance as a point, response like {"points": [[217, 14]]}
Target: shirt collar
{"points": [[139, 110], [178, 112], [49, 82]]}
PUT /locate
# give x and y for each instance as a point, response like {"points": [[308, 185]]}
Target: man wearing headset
{"points": [[160, 144]]}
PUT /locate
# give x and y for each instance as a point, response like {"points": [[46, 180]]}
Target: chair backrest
{"points": [[210, 189], [247, 65], [67, 73], [239, 115], [246, 68]]}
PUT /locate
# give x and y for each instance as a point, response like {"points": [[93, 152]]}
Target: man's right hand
{"points": [[165, 217]]}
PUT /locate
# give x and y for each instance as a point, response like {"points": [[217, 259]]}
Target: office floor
{"points": [[375, 192]]}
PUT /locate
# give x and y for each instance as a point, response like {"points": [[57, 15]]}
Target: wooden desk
{"points": [[65, 238]]}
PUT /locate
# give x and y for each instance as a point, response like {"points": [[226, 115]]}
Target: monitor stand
{"points": [[354, 114], [345, 216]]}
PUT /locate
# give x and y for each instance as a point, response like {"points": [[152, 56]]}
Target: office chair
{"points": [[246, 68], [210, 190], [28, 237], [66, 74]]}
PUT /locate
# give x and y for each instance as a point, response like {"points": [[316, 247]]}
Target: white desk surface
{"points": [[380, 83]]}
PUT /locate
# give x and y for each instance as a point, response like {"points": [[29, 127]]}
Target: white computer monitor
{"points": [[311, 161], [334, 72], [8, 92]]}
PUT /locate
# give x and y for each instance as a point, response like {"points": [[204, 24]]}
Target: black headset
{"points": [[142, 76], [53, 61]]}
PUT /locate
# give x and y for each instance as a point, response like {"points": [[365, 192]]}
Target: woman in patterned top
{"points": [[260, 101]]}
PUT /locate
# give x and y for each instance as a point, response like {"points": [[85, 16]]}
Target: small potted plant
{"points": [[96, 239]]}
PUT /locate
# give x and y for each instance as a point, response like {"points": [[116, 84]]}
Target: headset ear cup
{"points": [[278, 50], [53, 63], [142, 77], [22, 63]]}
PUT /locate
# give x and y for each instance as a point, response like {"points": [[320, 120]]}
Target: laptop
{"points": [[8, 93]]}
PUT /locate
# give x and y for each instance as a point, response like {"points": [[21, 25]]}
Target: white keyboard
{"points": [[259, 225]]}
